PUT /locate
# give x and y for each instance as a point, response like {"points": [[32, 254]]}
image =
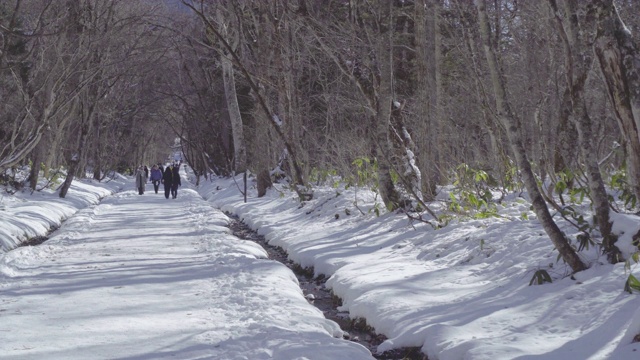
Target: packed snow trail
{"points": [[144, 277]]}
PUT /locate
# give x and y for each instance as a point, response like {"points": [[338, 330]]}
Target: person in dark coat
{"points": [[175, 181], [167, 180], [146, 173]]}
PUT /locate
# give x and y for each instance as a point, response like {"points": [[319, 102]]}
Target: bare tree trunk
{"points": [[35, 167], [231, 99], [565, 130], [72, 168], [263, 182], [86, 115], [505, 114], [97, 154], [428, 158], [74, 157], [239, 149], [389, 194], [288, 109], [439, 113], [409, 173], [578, 61], [88, 105], [619, 59]]}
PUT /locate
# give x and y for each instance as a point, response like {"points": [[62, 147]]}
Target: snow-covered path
{"points": [[144, 277]]}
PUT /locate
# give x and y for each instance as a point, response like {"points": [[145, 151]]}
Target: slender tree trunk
{"points": [[231, 98], [389, 194], [88, 100], [506, 116], [97, 154], [85, 116], [35, 167], [74, 157], [53, 150], [72, 168], [428, 157], [437, 138], [288, 110], [239, 148], [578, 61], [408, 170]]}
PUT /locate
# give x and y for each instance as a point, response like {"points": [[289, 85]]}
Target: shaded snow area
{"points": [[144, 277]]}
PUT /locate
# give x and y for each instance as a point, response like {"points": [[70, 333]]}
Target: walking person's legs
{"points": [[167, 190]]}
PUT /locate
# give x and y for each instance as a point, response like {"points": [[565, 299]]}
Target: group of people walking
{"points": [[169, 177]]}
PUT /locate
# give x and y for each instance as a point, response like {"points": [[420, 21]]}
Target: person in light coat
{"points": [[141, 180]]}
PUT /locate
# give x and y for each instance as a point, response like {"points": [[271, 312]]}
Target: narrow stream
{"points": [[317, 294]]}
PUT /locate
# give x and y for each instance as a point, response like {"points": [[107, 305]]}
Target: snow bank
{"points": [[460, 292], [25, 215]]}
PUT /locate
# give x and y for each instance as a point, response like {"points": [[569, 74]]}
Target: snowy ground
{"points": [[461, 292], [143, 277]]}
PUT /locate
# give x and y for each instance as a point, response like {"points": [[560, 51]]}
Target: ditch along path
{"points": [[317, 294]]}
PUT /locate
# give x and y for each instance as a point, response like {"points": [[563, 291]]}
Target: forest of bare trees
{"points": [[492, 96]]}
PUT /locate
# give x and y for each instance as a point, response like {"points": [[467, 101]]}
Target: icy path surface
{"points": [[144, 277]]}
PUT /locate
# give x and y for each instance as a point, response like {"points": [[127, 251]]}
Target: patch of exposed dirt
{"points": [[317, 294], [37, 240]]}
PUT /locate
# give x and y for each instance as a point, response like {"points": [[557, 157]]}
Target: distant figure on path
{"points": [[175, 181], [141, 180], [156, 177], [167, 180], [146, 173]]}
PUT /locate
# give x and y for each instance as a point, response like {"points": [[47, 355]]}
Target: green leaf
{"points": [[473, 200], [540, 277], [632, 284], [481, 176]]}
